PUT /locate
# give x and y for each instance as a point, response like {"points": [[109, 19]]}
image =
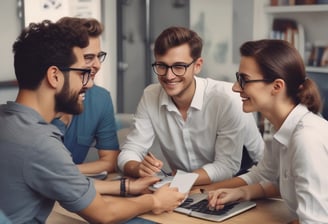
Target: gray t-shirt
{"points": [[36, 169]]}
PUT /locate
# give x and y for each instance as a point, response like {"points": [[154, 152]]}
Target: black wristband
{"points": [[122, 187]]}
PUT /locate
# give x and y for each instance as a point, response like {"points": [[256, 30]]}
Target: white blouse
{"points": [[297, 162]]}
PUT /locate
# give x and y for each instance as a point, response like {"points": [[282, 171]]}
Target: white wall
{"points": [[11, 26], [108, 76], [213, 21]]}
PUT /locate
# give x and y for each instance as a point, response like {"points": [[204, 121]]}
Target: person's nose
{"points": [[236, 87], [169, 74], [96, 63]]}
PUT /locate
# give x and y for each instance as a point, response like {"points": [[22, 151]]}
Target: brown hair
{"points": [[93, 26], [176, 36], [279, 59]]}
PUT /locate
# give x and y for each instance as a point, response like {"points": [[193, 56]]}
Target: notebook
{"points": [[196, 206]]}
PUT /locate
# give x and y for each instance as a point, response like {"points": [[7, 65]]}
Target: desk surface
{"points": [[269, 211]]}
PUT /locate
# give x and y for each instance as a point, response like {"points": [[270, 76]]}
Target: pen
{"points": [[152, 156]]}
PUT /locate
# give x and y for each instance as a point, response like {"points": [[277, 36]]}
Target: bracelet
{"points": [[122, 187]]}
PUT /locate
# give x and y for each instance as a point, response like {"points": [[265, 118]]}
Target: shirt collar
{"points": [[283, 135], [31, 115], [197, 101]]}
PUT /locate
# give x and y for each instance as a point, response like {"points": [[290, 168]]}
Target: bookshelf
{"points": [[311, 18], [296, 8]]}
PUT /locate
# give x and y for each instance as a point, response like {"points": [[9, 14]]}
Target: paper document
{"points": [[183, 181]]}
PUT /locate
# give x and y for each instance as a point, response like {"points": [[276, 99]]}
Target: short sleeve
{"points": [[50, 171]]}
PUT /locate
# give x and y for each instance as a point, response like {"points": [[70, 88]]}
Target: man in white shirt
{"points": [[199, 122]]}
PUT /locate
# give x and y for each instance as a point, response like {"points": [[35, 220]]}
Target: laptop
{"points": [[196, 206]]}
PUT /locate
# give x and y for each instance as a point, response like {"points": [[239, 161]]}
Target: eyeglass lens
{"points": [[240, 80], [85, 78], [84, 72], [90, 57], [178, 69]]}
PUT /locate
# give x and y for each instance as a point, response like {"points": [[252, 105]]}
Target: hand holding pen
{"points": [[150, 166]]}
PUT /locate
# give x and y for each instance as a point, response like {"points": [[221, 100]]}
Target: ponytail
{"points": [[309, 96]]}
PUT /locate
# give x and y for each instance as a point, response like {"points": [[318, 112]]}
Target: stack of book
{"points": [[319, 55], [294, 2], [289, 30]]}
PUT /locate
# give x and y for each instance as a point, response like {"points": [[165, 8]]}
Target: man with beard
{"points": [[36, 169]]}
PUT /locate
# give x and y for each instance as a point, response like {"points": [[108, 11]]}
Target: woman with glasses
{"points": [[198, 121], [272, 80], [97, 122]]}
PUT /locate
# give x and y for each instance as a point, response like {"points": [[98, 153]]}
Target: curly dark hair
{"points": [[45, 44]]}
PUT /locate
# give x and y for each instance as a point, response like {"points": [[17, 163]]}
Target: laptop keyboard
{"points": [[202, 207]]}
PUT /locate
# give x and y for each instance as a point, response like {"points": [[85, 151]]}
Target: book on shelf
{"points": [[289, 30], [294, 2], [319, 55]]}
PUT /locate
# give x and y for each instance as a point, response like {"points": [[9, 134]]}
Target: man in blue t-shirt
{"points": [[97, 122]]}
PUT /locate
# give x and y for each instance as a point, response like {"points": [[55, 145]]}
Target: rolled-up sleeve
{"points": [[139, 139]]}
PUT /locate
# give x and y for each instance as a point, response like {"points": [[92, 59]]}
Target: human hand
{"points": [[166, 199], [150, 165], [217, 199], [140, 185]]}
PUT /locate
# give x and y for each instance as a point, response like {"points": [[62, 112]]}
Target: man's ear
{"points": [[54, 76], [278, 86], [198, 65]]}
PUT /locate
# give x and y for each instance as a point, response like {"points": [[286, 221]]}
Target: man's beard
{"points": [[68, 102]]}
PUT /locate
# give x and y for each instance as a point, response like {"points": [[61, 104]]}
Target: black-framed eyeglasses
{"points": [[242, 81], [178, 69], [84, 72], [90, 57]]}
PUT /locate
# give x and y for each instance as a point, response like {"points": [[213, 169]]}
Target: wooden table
{"points": [[268, 211]]}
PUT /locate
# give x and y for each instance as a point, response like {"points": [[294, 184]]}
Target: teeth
{"points": [[82, 95]]}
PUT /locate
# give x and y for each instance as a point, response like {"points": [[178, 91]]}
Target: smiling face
{"points": [[90, 54], [179, 86], [70, 98], [256, 96]]}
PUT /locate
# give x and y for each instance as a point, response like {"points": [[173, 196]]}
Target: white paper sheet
{"points": [[183, 181]]}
